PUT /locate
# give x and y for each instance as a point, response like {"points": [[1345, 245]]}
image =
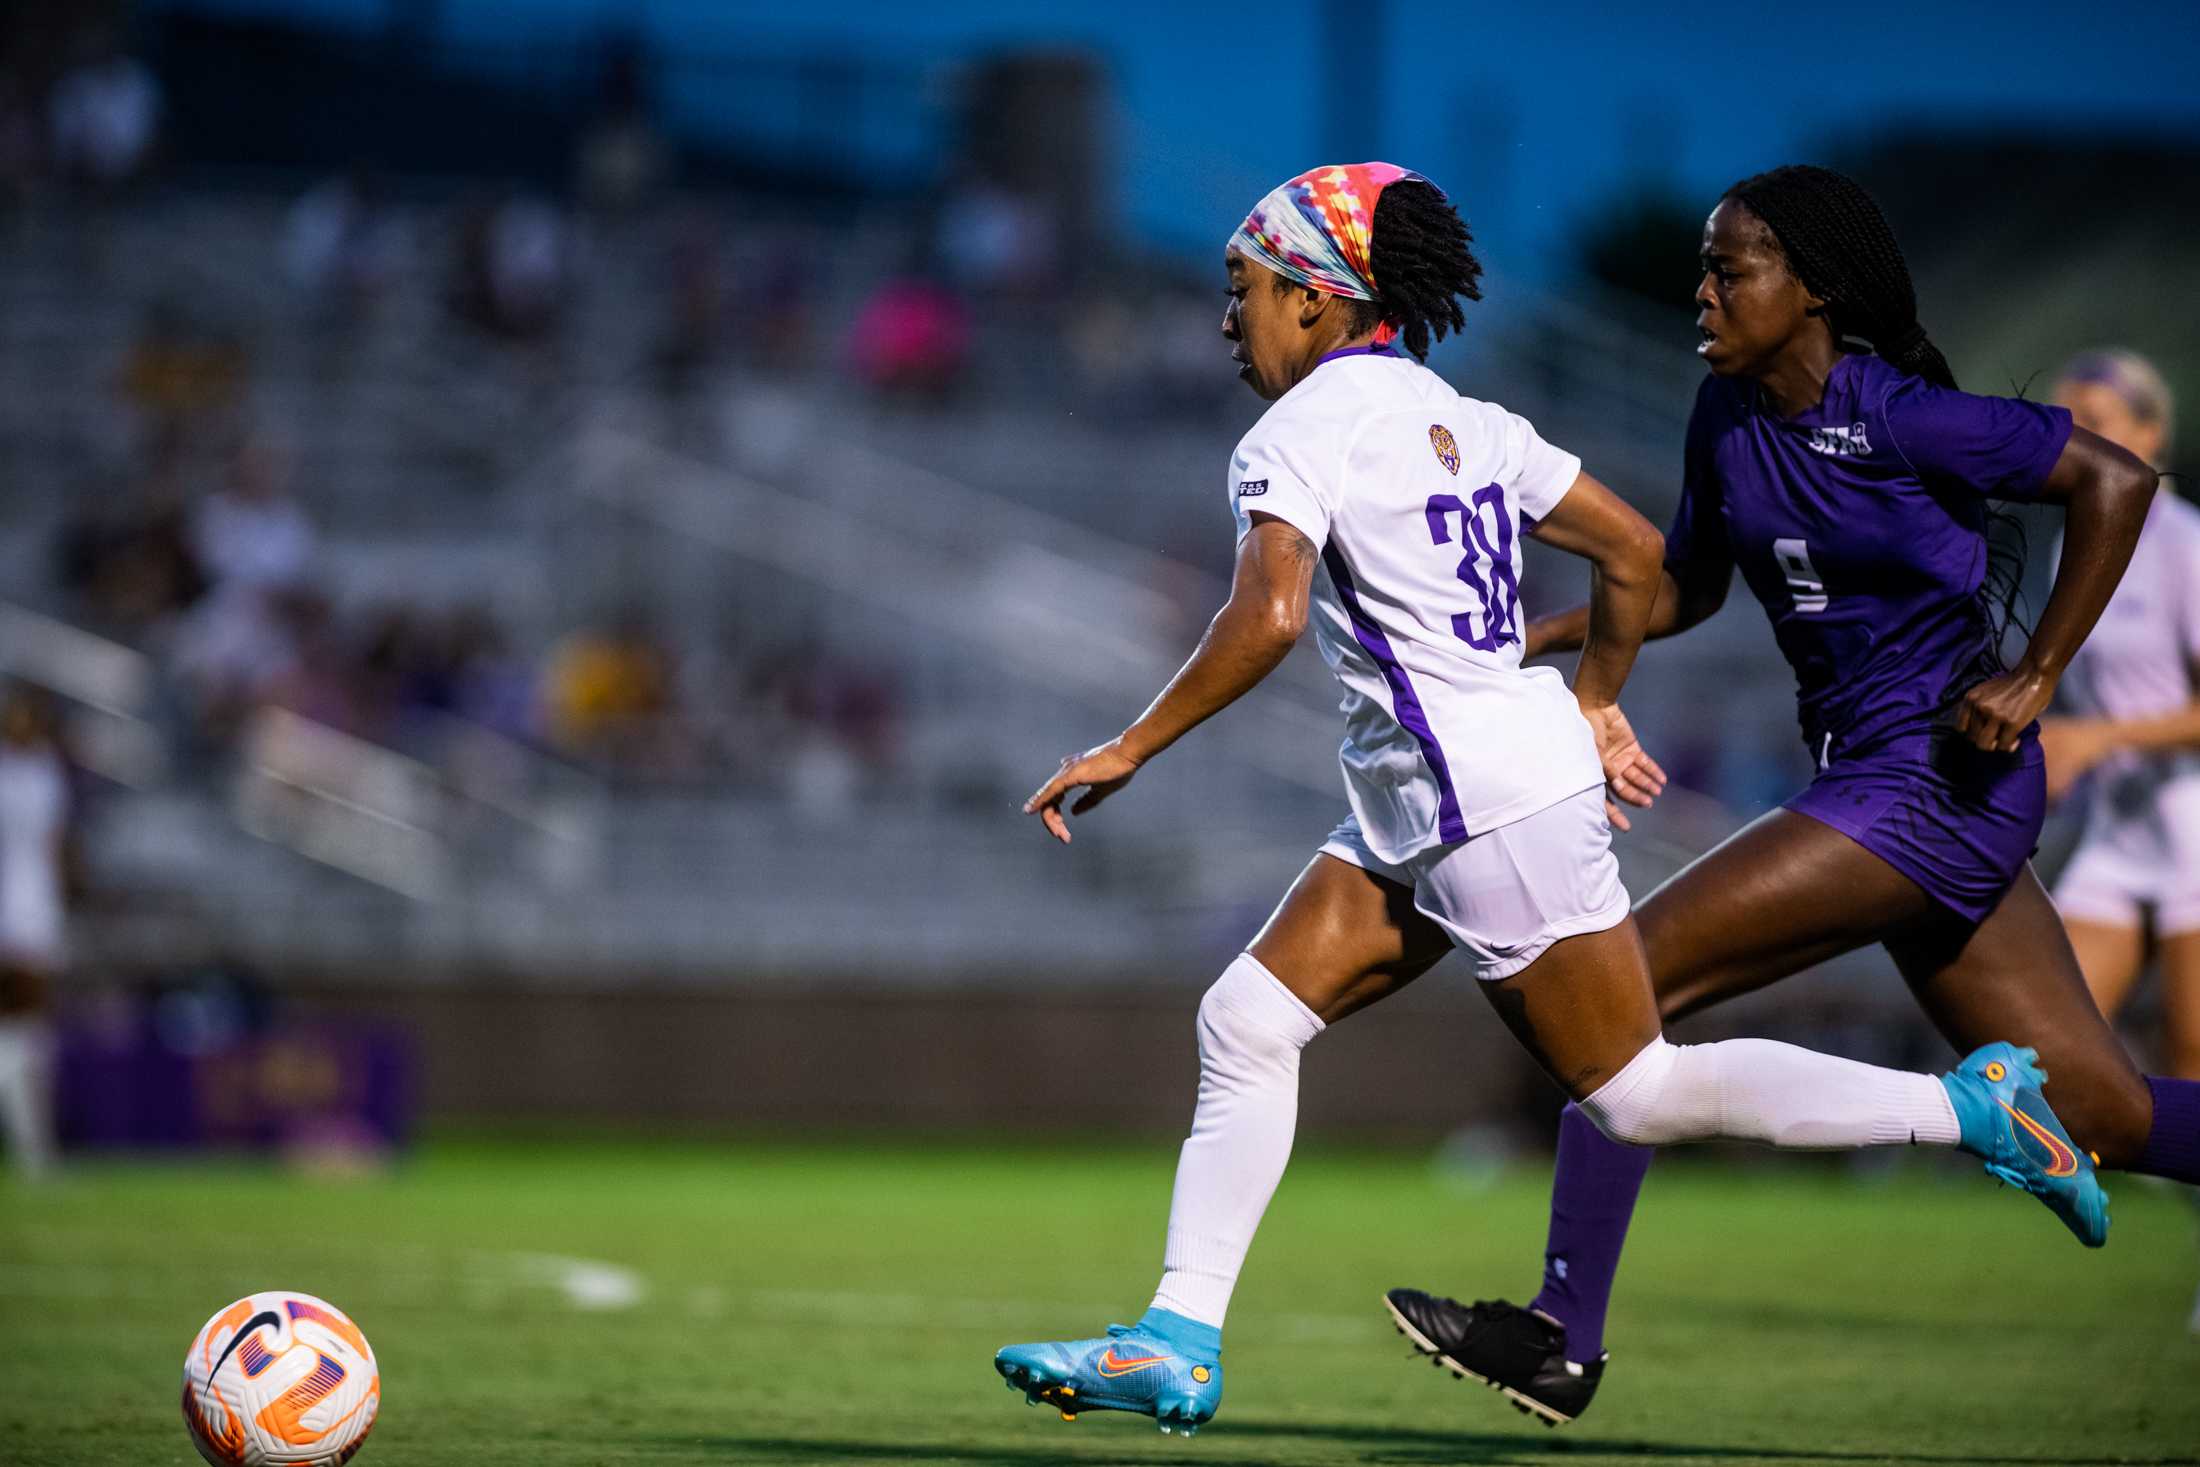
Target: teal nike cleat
{"points": [[1128, 1369], [2006, 1121]]}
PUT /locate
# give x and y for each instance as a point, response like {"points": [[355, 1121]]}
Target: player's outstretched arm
{"points": [[2105, 493], [1626, 556], [1253, 632]]}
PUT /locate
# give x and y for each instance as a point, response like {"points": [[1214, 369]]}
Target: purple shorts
{"points": [[1958, 821]]}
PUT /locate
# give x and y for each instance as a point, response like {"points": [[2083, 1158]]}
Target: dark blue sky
{"points": [[1529, 114]]}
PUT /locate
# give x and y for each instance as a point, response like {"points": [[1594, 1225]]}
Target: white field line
{"points": [[597, 1285]]}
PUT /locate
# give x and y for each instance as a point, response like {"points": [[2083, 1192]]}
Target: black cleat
{"points": [[1517, 1353]]}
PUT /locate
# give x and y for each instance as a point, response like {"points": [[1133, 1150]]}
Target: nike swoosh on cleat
{"points": [[1110, 1364], [2065, 1160]]}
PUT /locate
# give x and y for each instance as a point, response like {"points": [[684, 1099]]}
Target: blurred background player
{"points": [[34, 860], [2131, 889], [1479, 812], [1849, 487]]}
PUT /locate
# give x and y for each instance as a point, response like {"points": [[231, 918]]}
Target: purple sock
{"points": [[1592, 1199], [2173, 1146]]}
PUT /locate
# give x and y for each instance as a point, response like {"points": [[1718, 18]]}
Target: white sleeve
{"points": [[1269, 476], [2188, 582], [1536, 476]]}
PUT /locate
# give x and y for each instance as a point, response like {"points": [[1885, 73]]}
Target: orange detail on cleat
{"points": [[2063, 1162], [1069, 1415]]}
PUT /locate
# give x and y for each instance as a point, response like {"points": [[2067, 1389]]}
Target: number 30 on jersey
{"points": [[1492, 543]]}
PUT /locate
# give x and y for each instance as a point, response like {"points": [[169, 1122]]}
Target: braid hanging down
{"points": [[1423, 262]]}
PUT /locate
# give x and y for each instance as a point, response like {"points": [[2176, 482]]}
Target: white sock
{"points": [[1251, 1029], [1759, 1090], [26, 1089]]}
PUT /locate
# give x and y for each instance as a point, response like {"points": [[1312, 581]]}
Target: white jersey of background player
{"points": [[1385, 509], [2141, 843], [2133, 693], [34, 819]]}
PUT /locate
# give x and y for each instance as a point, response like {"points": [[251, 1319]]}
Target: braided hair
{"points": [[1423, 261], [1838, 244]]}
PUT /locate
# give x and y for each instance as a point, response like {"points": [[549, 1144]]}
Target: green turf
{"points": [[841, 1305]]}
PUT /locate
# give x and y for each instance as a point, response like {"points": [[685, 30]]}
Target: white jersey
{"points": [[2143, 658], [34, 809], [1416, 497], [2141, 843]]}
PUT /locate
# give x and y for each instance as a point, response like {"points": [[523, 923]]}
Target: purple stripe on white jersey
{"points": [[1450, 825]]}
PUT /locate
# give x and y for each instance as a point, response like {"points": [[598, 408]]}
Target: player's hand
{"points": [[1630, 775], [1995, 714], [1099, 771], [2073, 747]]}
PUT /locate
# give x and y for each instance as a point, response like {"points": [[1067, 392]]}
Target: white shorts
{"points": [[1506, 895], [2140, 849]]}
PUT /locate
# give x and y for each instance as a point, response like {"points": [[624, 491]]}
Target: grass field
{"points": [[684, 1303]]}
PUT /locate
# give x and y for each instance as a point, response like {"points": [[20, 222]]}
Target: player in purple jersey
{"points": [[1849, 486]]}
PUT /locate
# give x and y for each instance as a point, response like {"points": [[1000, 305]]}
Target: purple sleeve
{"points": [[1698, 535], [1999, 447]]}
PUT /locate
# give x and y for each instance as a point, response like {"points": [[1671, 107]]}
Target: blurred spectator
{"points": [[488, 684], [911, 339], [35, 866], [839, 723], [261, 634], [243, 645], [344, 245], [514, 264], [105, 116], [128, 557], [181, 376], [251, 532], [607, 696], [991, 239]]}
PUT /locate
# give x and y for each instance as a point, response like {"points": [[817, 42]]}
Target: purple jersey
{"points": [[1860, 524]]}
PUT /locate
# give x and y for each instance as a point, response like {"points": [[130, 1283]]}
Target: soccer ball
{"points": [[280, 1378]]}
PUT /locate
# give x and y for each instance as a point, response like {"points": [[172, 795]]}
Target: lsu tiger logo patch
{"points": [[1446, 446]]}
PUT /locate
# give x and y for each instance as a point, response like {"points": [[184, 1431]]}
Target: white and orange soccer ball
{"points": [[280, 1378]]}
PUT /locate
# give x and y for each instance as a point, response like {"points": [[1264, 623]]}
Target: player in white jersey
{"points": [[2131, 737], [34, 845], [1374, 501]]}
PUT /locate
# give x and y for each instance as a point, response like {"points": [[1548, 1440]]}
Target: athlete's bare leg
{"points": [[1343, 938], [2111, 956], [2015, 977], [1584, 1008], [1781, 894]]}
